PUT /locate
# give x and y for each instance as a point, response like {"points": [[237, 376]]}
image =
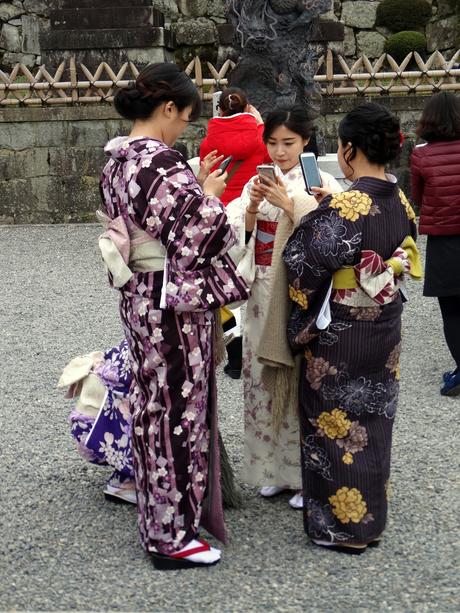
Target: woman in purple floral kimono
{"points": [[345, 263], [165, 247]]}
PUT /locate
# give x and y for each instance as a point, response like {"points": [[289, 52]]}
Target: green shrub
{"points": [[398, 15], [401, 44]]}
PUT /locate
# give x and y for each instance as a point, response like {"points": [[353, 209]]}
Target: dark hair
{"points": [[155, 84], [312, 145], [371, 128], [296, 119], [440, 118], [232, 100]]}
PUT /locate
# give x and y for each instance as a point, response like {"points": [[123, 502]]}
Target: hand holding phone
{"points": [[215, 183], [266, 170], [310, 171], [225, 164]]}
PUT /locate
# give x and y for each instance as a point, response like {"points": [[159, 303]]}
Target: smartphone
{"points": [[225, 163], [265, 170], [215, 103], [310, 171]]}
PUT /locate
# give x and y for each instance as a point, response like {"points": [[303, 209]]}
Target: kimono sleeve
{"points": [[327, 239], [243, 253], [194, 229]]}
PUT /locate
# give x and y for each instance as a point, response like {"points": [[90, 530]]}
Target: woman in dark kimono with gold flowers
{"points": [[346, 264]]}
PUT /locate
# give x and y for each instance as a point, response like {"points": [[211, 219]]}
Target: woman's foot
{"points": [[374, 543], [233, 373], [121, 492], [235, 358], [448, 374], [271, 490], [451, 385], [196, 553], [350, 549], [296, 501]]}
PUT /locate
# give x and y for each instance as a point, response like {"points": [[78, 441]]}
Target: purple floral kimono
{"points": [[170, 325]]}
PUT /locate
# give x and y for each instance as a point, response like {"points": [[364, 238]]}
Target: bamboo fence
{"points": [[74, 83]]}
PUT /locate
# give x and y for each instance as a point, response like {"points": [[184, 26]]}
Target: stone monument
{"points": [[277, 55]]}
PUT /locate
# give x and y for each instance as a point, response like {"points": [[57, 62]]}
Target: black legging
{"points": [[450, 311]]}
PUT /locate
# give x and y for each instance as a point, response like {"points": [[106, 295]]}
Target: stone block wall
{"points": [[51, 158], [199, 27], [28, 29], [362, 35], [21, 22]]}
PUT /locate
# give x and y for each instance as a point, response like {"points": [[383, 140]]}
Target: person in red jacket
{"points": [[435, 168], [236, 131]]}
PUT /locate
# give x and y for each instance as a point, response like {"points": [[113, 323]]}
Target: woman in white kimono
{"points": [[271, 451]]}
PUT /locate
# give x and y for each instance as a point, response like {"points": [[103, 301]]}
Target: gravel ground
{"points": [[63, 547]]}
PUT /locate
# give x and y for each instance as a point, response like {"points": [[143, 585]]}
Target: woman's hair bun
{"points": [[373, 129], [232, 100], [155, 84], [132, 104]]}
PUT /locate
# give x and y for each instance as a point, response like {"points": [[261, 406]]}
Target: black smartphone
{"points": [[310, 171], [224, 165]]}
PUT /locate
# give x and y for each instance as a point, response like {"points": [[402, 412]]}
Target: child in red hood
{"points": [[237, 131]]}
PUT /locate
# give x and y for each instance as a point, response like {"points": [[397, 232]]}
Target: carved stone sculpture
{"points": [[276, 58]]}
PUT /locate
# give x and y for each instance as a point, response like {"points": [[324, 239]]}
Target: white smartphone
{"points": [[215, 103], [265, 170], [310, 171]]}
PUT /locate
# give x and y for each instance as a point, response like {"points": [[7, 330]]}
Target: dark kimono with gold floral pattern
{"points": [[349, 380]]}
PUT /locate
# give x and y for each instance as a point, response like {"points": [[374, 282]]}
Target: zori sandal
{"points": [[188, 557], [354, 550]]}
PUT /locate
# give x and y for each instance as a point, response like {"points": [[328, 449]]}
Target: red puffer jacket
{"points": [[435, 172], [241, 137]]}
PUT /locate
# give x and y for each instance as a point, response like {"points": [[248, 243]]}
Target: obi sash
{"points": [[82, 382], [378, 279], [126, 249], [265, 241]]}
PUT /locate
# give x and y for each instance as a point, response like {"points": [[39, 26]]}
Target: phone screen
{"points": [[310, 171]]}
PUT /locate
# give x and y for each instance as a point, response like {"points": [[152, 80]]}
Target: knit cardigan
{"points": [[280, 368], [279, 371]]}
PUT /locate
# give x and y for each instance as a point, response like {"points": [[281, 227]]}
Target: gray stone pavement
{"points": [[63, 547]]}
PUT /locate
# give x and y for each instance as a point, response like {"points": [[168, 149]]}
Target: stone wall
{"points": [[362, 36], [199, 27], [51, 158], [190, 27], [21, 22]]}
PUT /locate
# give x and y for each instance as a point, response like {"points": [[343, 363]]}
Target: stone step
{"points": [[103, 18], [106, 39], [89, 4]]}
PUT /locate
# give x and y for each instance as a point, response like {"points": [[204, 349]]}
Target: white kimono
{"points": [[269, 459]]}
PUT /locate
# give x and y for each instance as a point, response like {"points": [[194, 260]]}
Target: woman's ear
{"points": [[305, 142], [169, 108]]}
